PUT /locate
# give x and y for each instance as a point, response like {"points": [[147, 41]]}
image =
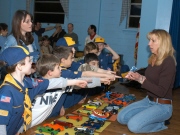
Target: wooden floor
{"points": [[117, 129]]}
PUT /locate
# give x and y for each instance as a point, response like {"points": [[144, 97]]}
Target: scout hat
{"points": [[66, 41], [99, 40], [13, 55]]}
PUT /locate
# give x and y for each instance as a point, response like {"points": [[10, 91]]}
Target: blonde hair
{"points": [[89, 47], [165, 46]]}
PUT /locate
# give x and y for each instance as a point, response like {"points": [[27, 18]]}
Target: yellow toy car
{"points": [[89, 106]]}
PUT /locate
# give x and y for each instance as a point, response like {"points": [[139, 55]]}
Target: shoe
{"points": [[166, 122]]}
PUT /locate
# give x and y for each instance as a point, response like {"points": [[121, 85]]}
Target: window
{"points": [[48, 11], [134, 13]]}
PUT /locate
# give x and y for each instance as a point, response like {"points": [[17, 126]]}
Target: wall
{"points": [[8, 8], [155, 14]]}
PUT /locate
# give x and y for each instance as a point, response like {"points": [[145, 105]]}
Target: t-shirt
{"points": [[88, 39], [43, 105], [39, 32], [73, 35]]}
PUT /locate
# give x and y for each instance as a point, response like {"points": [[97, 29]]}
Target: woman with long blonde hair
{"points": [[149, 114]]}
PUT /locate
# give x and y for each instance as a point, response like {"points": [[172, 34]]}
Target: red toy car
{"points": [[63, 123], [74, 117]]}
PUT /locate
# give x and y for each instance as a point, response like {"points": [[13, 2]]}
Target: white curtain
{"points": [[124, 9], [65, 5]]}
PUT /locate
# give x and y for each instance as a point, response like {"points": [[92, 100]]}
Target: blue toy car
{"points": [[93, 124], [92, 117]]}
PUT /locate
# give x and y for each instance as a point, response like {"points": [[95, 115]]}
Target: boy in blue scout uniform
{"points": [[65, 55], [105, 59], [69, 42], [16, 91]]}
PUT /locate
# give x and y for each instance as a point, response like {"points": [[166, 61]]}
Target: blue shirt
{"points": [[11, 41], [66, 73], [40, 32], [75, 66], [3, 40], [105, 61], [12, 102]]}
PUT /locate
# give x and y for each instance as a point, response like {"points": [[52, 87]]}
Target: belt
{"points": [[160, 100]]}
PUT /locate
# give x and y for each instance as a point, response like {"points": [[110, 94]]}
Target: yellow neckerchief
{"points": [[9, 80], [62, 67]]}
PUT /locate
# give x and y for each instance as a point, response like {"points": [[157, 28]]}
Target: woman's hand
{"points": [[135, 76]]}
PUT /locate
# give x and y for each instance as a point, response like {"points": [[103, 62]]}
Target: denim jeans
{"points": [[145, 116]]}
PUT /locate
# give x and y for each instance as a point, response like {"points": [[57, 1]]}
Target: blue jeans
{"points": [[145, 116]]}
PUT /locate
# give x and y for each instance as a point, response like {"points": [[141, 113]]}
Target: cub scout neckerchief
{"points": [[9, 80]]}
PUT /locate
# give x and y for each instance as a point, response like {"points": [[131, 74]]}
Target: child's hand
{"points": [[110, 72], [112, 77], [62, 111], [105, 80], [106, 46], [81, 83]]}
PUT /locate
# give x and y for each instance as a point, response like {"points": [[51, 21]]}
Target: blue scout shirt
{"points": [[12, 102], [75, 66], [66, 73], [71, 98], [105, 60]]}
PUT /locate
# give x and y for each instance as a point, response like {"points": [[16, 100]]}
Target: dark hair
{"points": [[45, 63], [36, 21], [93, 27], [45, 37], [62, 52], [71, 24], [90, 57], [3, 26], [16, 26]]}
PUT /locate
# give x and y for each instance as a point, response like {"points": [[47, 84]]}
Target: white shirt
{"points": [[44, 104], [88, 39]]}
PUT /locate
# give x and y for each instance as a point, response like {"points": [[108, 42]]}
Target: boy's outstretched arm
{"points": [[101, 75], [3, 129], [62, 83], [79, 83], [99, 70]]}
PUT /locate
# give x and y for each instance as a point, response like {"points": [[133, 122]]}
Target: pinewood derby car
{"points": [[74, 117], [63, 123]]}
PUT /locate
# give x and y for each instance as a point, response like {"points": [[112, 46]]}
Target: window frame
{"points": [[129, 13], [36, 13]]}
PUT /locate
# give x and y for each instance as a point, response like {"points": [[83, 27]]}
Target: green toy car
{"points": [[47, 130], [84, 111]]}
